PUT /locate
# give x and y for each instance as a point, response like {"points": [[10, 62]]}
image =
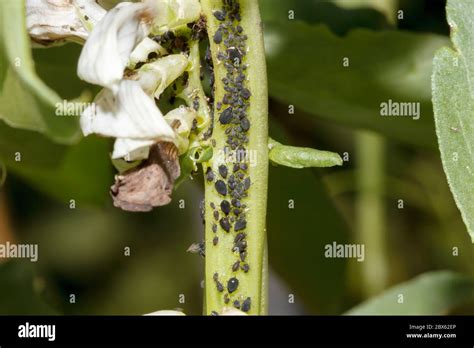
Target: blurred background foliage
{"points": [[83, 250]]}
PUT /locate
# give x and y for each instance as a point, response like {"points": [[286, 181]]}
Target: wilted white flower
{"points": [[58, 20], [108, 48]]}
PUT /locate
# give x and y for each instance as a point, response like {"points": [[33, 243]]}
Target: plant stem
{"points": [[223, 255], [370, 214]]}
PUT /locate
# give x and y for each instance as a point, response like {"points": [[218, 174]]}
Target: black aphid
{"points": [[226, 116], [225, 207], [234, 54], [202, 210], [240, 224], [214, 228], [225, 224], [152, 55], [235, 266], [245, 267], [239, 237], [214, 314], [139, 65], [232, 285], [246, 184], [215, 240], [246, 93], [220, 15], [216, 215], [236, 203], [218, 36], [245, 124], [223, 171], [246, 304], [240, 246], [209, 174], [219, 286], [237, 304], [243, 256], [221, 187]]}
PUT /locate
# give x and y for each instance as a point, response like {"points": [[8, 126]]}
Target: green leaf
{"points": [[339, 19], [301, 157], [432, 293], [453, 100], [25, 100], [81, 172], [305, 65]]}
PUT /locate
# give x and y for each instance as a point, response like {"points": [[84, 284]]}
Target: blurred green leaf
{"points": [[18, 295], [81, 172], [301, 157], [305, 65], [26, 101], [453, 100], [338, 18], [302, 219], [431, 293]]}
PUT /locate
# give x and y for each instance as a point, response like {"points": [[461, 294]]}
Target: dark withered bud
{"points": [[150, 184]]}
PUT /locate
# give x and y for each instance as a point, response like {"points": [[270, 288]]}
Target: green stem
{"points": [[371, 219], [221, 257]]}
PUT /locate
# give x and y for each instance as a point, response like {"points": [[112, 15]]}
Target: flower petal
{"points": [[156, 76], [129, 114], [59, 20], [165, 312], [181, 120], [106, 52], [232, 311], [131, 149]]}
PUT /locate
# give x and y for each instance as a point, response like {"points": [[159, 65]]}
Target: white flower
{"points": [[131, 149], [180, 120], [125, 109], [108, 48], [58, 20], [131, 113], [155, 77]]}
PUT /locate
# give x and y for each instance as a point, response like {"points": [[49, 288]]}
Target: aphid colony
{"points": [[232, 182]]}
